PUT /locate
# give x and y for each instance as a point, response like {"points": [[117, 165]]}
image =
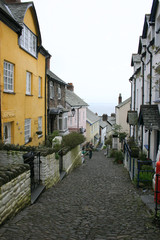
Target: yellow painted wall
{"points": [[16, 107], [91, 131]]}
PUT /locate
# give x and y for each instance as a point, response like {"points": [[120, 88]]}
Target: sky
{"points": [[91, 43]]}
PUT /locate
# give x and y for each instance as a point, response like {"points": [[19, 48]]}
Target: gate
{"points": [[33, 159]]}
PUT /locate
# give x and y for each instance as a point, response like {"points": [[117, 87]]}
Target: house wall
{"points": [[16, 107], [121, 117], [91, 131], [78, 121]]}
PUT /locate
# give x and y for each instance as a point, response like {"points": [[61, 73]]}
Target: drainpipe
{"points": [[150, 92], [143, 55]]}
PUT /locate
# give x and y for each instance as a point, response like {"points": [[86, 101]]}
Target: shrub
{"points": [[109, 141], [113, 153], [135, 152], [50, 137], [72, 140], [118, 157]]}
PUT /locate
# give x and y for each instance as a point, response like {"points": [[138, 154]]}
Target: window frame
{"points": [[28, 83], [63, 118], [59, 92], [8, 77], [27, 130], [28, 41], [39, 87], [40, 123], [51, 90]]}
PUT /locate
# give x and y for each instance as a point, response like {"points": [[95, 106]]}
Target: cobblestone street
{"points": [[96, 201]]}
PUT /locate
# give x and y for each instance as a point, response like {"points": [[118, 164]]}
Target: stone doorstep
{"points": [[36, 193]]}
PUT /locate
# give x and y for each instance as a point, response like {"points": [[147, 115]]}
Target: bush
{"points": [[113, 153], [118, 157], [109, 141], [72, 140], [135, 152], [50, 137]]}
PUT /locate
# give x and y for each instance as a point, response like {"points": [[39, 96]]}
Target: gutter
{"points": [[150, 92]]}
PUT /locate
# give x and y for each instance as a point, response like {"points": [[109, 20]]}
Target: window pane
{"points": [[8, 76]]}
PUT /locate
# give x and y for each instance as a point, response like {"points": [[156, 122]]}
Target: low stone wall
{"points": [[49, 170], [72, 159], [15, 191]]}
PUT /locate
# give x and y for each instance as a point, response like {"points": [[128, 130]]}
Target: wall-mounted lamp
{"points": [[73, 112]]}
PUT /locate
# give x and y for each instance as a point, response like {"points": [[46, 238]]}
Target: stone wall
{"points": [[49, 170], [15, 191], [72, 159]]}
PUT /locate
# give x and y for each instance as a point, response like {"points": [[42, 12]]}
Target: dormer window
{"points": [[28, 41]]}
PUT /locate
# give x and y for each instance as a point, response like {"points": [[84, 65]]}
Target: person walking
{"points": [[90, 150]]}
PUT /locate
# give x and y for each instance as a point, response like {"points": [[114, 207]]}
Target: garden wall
{"points": [[15, 193], [72, 159]]}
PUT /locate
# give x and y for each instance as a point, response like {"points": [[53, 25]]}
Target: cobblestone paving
{"points": [[96, 201]]}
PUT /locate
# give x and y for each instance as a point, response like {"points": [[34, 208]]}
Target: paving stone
{"points": [[97, 201]]}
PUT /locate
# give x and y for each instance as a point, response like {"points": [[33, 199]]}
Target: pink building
{"points": [[77, 111]]}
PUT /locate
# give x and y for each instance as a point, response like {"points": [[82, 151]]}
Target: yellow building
{"points": [[92, 128], [22, 74]]}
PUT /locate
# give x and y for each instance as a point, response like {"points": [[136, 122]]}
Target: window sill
{"points": [[40, 97], [29, 95], [13, 93]]}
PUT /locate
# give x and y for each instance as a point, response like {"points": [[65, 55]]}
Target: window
{"points": [[8, 74], [40, 124], [28, 83], [27, 130], [51, 90], [59, 92], [62, 121], [28, 41], [40, 87]]}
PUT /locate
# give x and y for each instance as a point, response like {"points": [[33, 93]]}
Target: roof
{"points": [[153, 10], [7, 17], [111, 120], [54, 77], [132, 117], [102, 123], [145, 26], [150, 117], [135, 58], [124, 103], [91, 117], [74, 100]]}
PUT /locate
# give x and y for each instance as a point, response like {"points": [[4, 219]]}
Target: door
{"points": [[7, 133]]}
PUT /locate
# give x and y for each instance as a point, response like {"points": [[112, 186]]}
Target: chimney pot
{"points": [[119, 98], [105, 117], [70, 87]]}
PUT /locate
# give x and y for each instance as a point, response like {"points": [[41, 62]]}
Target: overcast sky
{"points": [[91, 43]]}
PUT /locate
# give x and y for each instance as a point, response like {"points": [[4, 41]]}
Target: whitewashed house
{"points": [[144, 115]]}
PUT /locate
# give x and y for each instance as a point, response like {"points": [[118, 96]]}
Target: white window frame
{"points": [[40, 124], [8, 76], [27, 130], [28, 41], [39, 87], [62, 122], [59, 92], [51, 86], [28, 83]]}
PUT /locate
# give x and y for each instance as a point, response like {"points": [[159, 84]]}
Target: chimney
{"points": [[70, 87], [48, 63], [105, 117], [113, 115], [13, 1], [119, 99]]}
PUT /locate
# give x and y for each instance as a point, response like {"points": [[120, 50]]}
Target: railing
{"points": [[133, 166], [157, 194], [33, 159]]}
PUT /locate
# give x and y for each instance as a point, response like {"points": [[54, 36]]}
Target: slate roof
{"points": [[150, 117], [74, 100], [124, 102], [102, 123], [54, 77], [132, 117], [91, 117], [18, 10]]}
